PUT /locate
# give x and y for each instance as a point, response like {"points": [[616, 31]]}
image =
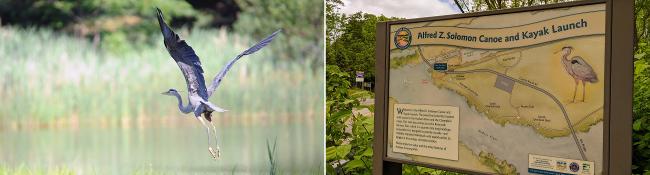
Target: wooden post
{"points": [[381, 167], [621, 51]]}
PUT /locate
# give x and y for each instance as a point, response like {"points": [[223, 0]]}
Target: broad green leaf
{"points": [[331, 153], [354, 164], [330, 169], [343, 150], [348, 101], [637, 124], [425, 170], [368, 152], [639, 55]]}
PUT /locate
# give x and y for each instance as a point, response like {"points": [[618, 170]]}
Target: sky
{"points": [[401, 8]]}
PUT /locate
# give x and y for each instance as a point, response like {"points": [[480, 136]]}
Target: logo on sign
{"points": [[574, 167], [402, 38], [561, 165], [585, 167]]}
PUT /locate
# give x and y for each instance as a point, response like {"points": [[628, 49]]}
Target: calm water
{"points": [[167, 150]]}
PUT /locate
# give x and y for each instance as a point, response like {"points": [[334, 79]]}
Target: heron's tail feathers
{"points": [[213, 107], [593, 79], [261, 44]]}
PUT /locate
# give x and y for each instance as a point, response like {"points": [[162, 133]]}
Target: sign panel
{"points": [[514, 93], [359, 76]]}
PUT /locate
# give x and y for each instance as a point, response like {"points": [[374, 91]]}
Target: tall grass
{"points": [[273, 163], [22, 169], [46, 76]]}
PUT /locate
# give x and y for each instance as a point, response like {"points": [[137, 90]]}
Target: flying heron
{"points": [[190, 66], [579, 69]]}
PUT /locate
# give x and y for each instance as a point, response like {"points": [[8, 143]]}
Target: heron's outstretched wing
{"points": [[167, 32], [185, 57], [217, 79]]}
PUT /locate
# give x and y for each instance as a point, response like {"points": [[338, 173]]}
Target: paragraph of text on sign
{"points": [[426, 130]]}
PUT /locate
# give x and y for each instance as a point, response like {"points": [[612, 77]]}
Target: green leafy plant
{"points": [[347, 152], [63, 78], [641, 125], [412, 169]]}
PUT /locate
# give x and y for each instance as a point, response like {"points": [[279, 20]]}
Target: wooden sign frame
{"points": [[619, 70]]}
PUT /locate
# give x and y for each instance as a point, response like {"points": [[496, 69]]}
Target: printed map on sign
{"points": [[523, 84]]}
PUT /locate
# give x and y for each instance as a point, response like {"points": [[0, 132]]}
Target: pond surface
{"points": [[170, 150]]}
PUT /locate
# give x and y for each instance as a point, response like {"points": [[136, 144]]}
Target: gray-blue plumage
{"points": [[190, 66], [217, 79]]}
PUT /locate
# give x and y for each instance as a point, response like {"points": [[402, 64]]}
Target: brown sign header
{"points": [[584, 24]]}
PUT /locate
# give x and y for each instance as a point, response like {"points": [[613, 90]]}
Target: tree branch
{"points": [[490, 4], [459, 7]]}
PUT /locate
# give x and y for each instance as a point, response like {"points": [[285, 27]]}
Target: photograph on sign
{"points": [[514, 93]]}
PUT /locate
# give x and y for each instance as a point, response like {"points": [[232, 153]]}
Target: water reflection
{"points": [[178, 149]]}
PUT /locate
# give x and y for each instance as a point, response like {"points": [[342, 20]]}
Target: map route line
{"points": [[566, 116], [587, 116], [489, 57]]}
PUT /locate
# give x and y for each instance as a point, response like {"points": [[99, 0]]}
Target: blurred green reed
{"points": [[20, 170], [45, 76], [24, 170], [273, 163]]}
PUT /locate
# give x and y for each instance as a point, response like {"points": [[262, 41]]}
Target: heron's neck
{"points": [[566, 55], [184, 109]]}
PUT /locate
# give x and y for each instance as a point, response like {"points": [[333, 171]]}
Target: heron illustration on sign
{"points": [[198, 93], [579, 69]]}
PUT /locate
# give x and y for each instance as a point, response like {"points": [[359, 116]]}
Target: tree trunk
{"points": [[96, 39], [490, 4]]}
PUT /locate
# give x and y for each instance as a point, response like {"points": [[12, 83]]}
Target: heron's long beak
{"points": [[165, 93]]}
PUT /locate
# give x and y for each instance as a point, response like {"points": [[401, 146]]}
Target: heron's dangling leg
{"points": [[208, 132], [583, 91], [216, 140], [575, 90]]}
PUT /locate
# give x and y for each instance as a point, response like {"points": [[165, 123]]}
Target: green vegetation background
{"points": [[350, 44], [90, 63], [97, 57]]}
